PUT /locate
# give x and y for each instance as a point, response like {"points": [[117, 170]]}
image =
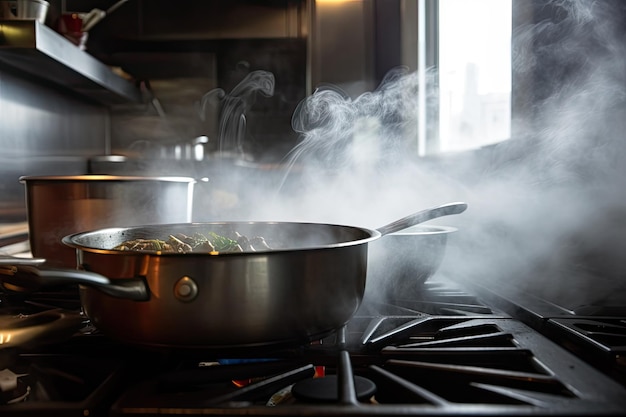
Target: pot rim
{"points": [[98, 177]]}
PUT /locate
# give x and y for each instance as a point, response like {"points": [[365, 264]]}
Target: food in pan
{"points": [[210, 243]]}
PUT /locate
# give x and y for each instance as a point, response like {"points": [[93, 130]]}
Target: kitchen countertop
{"points": [[14, 237]]}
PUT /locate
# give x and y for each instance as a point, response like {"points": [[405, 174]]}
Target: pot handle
{"points": [[20, 274], [422, 216]]}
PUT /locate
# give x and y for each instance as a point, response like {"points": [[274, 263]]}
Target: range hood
{"points": [[39, 51]]}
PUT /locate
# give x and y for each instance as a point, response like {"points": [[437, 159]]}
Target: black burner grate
{"points": [[429, 365], [433, 298], [601, 341], [446, 353]]}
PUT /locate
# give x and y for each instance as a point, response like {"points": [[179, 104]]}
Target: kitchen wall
{"points": [[43, 130], [180, 53], [176, 53], [199, 47]]}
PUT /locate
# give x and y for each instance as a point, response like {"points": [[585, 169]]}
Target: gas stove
{"points": [[594, 331], [445, 350]]}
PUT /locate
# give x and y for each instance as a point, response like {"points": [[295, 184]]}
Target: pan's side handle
{"points": [[21, 277]]}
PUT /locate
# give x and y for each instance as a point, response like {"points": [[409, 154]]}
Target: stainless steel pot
{"points": [[24, 9], [61, 205], [399, 265], [309, 284]]}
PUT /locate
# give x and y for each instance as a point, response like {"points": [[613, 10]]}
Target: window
{"points": [[473, 53]]}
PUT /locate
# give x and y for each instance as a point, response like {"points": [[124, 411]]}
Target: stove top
{"points": [[594, 332], [447, 350]]}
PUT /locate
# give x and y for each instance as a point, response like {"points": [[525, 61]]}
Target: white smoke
{"points": [[549, 208], [542, 206], [546, 208]]}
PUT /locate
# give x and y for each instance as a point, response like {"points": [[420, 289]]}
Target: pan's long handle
{"points": [[21, 273], [422, 216]]}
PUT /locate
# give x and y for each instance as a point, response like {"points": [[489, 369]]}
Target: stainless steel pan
{"points": [[310, 283]]}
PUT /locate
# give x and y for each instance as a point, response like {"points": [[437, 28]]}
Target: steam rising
{"points": [[546, 209], [235, 105], [339, 131]]}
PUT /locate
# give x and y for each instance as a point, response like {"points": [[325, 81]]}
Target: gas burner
{"points": [[493, 365], [66, 298], [12, 388], [325, 390], [444, 353], [45, 327]]}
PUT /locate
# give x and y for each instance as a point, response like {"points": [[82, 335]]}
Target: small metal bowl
{"points": [[400, 263]]}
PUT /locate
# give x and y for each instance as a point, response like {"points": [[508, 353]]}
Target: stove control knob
{"points": [[185, 289]]}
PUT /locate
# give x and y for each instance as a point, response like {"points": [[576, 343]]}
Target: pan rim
{"points": [[71, 240]]}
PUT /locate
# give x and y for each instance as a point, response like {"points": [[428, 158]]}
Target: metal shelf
{"points": [[41, 52]]}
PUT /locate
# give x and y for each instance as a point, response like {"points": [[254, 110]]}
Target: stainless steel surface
{"points": [[447, 353], [311, 284], [201, 20], [316, 272], [352, 69], [94, 16], [24, 9], [400, 264], [422, 216], [12, 233], [21, 275], [33, 9], [183, 55], [61, 205], [403, 261], [43, 131], [41, 52], [7, 9], [10, 260], [24, 331], [19, 248]]}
